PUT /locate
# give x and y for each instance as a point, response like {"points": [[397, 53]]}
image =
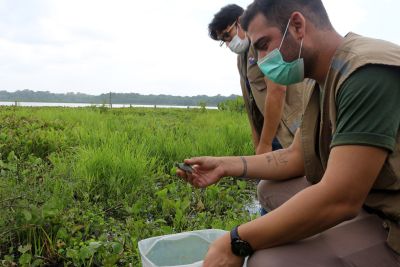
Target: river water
{"points": [[78, 105]]}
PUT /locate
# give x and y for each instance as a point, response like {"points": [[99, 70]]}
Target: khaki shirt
{"points": [[319, 125], [254, 98]]}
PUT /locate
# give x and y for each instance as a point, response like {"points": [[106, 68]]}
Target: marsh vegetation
{"points": [[81, 186]]}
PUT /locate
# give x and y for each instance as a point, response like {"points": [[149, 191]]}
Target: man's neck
{"points": [[328, 43]]}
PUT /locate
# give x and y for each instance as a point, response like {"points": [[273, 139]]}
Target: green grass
{"points": [[80, 187]]}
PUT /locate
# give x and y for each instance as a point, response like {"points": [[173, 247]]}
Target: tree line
{"points": [[116, 98]]}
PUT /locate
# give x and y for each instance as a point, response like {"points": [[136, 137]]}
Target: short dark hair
{"points": [[224, 18], [278, 12]]}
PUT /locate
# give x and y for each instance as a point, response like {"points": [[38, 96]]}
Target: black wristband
{"points": [[244, 174], [240, 247]]}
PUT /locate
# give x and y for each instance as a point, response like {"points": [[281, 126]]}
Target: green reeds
{"points": [[80, 186]]}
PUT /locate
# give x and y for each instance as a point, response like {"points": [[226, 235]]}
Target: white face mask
{"points": [[238, 45]]}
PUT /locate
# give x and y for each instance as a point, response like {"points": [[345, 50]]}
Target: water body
{"points": [[178, 252], [254, 208], [79, 105]]}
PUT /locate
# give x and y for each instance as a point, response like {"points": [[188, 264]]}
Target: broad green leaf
{"points": [[24, 249], [117, 247], [25, 259]]}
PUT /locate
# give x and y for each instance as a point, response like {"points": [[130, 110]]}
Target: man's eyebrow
{"points": [[261, 42]]}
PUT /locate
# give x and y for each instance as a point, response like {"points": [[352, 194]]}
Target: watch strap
{"points": [[235, 234], [245, 248]]}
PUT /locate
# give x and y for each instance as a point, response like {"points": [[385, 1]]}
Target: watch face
{"points": [[241, 248]]}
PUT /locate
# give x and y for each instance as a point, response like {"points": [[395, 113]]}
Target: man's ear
{"points": [[297, 25]]}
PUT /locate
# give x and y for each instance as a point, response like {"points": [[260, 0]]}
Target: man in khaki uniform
{"points": [[273, 112], [346, 212]]}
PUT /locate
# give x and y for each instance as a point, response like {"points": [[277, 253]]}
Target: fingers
{"points": [[201, 167], [188, 177], [220, 254], [181, 173], [191, 179], [195, 161]]}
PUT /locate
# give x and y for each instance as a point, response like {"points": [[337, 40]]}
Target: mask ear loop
{"points": [[235, 25], [301, 46], [237, 30], [284, 35]]}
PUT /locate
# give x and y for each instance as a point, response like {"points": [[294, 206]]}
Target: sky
{"points": [[146, 47]]}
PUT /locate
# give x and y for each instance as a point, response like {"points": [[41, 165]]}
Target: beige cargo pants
{"points": [[359, 242]]}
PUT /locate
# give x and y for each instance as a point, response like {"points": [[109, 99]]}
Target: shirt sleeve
{"points": [[368, 105]]}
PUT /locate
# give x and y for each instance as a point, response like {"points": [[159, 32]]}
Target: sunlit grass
{"points": [[82, 186]]}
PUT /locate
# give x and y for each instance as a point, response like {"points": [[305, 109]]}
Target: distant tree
{"points": [[27, 95], [202, 105], [233, 105]]}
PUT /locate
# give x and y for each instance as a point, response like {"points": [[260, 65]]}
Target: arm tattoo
{"points": [[270, 158], [280, 157]]}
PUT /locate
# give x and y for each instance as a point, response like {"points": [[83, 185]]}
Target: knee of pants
{"points": [[262, 258], [262, 190], [272, 258], [272, 194], [269, 195]]}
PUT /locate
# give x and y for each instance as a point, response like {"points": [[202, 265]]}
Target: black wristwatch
{"points": [[239, 247]]}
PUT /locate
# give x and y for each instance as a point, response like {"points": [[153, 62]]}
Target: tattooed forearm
{"points": [[279, 157], [282, 156], [270, 158]]}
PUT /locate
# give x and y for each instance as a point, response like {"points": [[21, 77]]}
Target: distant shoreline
{"points": [[30, 96], [78, 105]]}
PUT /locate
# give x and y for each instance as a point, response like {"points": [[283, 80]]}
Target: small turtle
{"points": [[184, 167]]}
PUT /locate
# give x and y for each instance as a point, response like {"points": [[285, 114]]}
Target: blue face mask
{"points": [[277, 70]]}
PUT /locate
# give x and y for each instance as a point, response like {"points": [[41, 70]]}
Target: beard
{"points": [[290, 48], [290, 52]]}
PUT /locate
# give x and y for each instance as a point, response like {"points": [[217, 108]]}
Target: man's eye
{"points": [[263, 46]]}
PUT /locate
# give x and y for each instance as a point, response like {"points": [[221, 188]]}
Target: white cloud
{"points": [[158, 46], [371, 18]]}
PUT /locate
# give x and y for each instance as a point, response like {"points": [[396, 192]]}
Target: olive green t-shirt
{"points": [[368, 105]]}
